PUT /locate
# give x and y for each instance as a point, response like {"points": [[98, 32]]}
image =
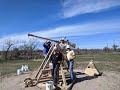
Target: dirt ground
{"points": [[110, 80]]}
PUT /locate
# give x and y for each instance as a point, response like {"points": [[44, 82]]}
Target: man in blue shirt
{"points": [[46, 46]]}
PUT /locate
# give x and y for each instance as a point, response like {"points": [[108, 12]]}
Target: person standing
{"points": [[62, 44], [70, 61], [56, 59], [46, 46]]}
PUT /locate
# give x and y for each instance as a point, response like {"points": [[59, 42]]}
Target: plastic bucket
{"points": [[50, 65], [23, 68], [19, 71], [49, 85]]}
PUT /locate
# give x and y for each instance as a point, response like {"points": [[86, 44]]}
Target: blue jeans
{"points": [[70, 65], [55, 73]]}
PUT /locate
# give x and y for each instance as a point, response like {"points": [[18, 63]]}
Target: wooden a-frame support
{"points": [[43, 69]]}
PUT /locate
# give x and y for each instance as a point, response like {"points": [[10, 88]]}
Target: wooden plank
{"points": [[63, 78]]}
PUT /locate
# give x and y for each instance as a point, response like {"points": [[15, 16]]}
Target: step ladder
{"points": [[40, 76]]}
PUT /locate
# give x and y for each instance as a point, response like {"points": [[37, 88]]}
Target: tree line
{"points": [[20, 50], [29, 50]]}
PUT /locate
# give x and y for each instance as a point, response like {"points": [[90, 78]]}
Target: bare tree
{"points": [[115, 47], [15, 53], [29, 47], [106, 49], [8, 43]]}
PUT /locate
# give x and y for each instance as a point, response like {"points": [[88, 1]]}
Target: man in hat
{"points": [[70, 61], [46, 46], [56, 59], [62, 44]]}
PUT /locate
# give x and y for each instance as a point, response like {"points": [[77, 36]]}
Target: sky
{"points": [[87, 23]]}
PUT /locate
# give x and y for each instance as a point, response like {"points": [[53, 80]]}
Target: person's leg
{"points": [[68, 63], [52, 71], [45, 57], [56, 74], [72, 75]]}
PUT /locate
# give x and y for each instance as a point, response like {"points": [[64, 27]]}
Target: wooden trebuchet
{"points": [[41, 77], [67, 42]]}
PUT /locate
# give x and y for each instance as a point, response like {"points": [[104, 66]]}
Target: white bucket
{"points": [[19, 71], [50, 65], [22, 68], [26, 68], [49, 85]]}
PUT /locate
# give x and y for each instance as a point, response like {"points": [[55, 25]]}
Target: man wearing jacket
{"points": [[56, 59]]}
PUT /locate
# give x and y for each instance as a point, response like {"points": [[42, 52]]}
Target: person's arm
{"points": [[45, 45], [73, 54], [51, 58]]}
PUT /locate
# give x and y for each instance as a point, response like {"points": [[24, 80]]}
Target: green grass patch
{"points": [[11, 66], [110, 62], [103, 62], [98, 57]]}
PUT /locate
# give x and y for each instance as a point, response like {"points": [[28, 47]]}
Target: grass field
{"points": [[103, 62], [11, 66]]}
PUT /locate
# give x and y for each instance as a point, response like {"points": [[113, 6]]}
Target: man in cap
{"points": [[70, 61], [46, 46], [62, 44], [56, 59]]}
